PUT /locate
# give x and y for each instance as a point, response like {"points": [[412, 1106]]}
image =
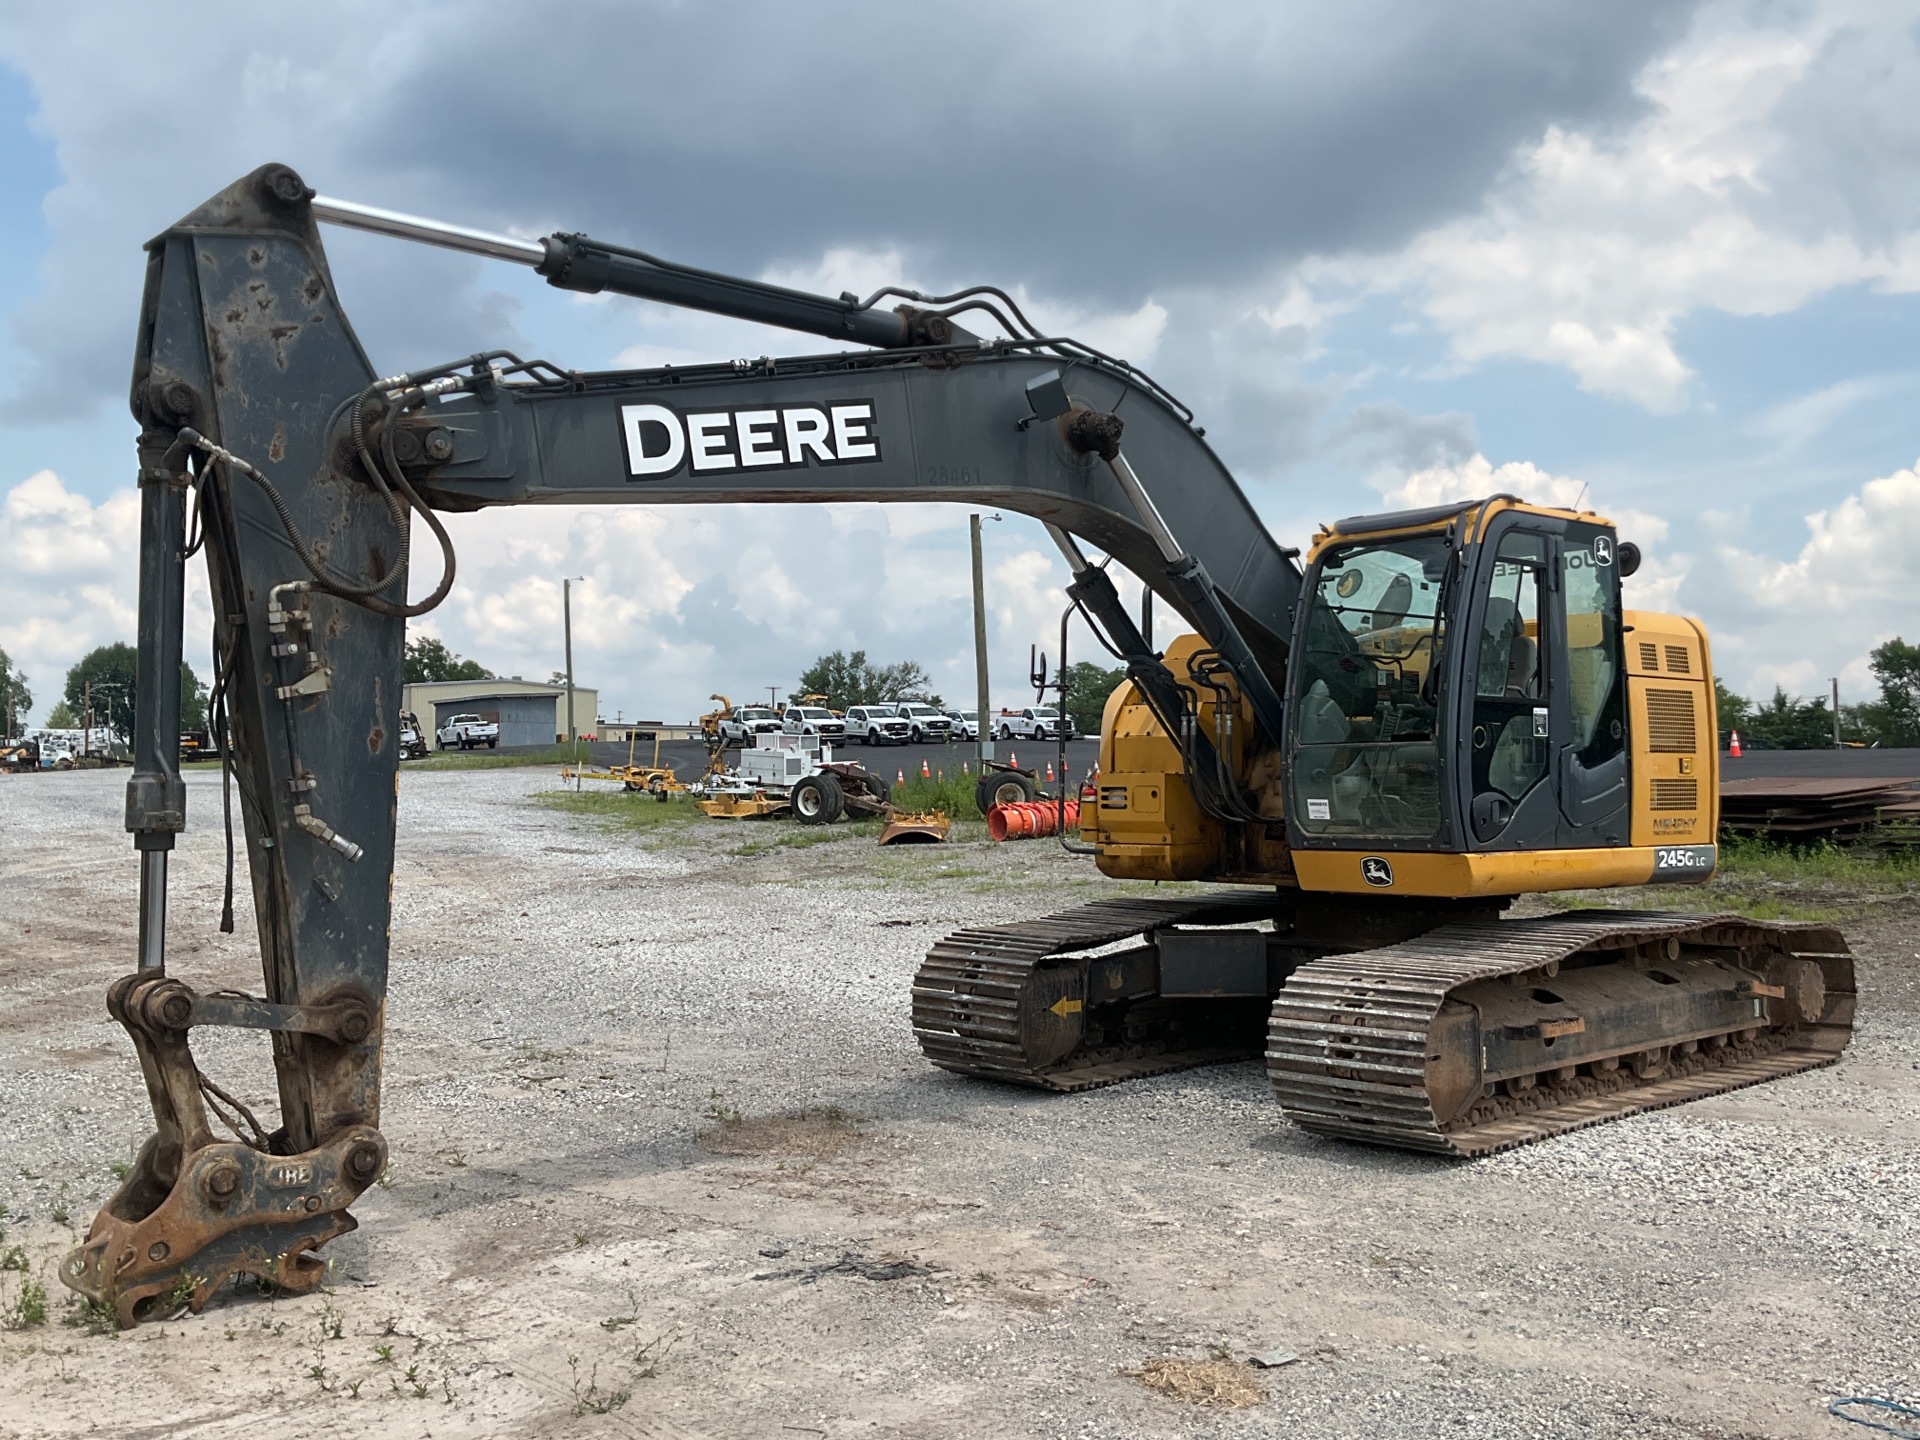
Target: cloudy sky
{"points": [[1658, 259]]}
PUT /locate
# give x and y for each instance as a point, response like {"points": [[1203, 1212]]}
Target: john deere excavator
{"points": [[1439, 712]]}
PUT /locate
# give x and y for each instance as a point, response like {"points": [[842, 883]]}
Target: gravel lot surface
{"points": [[646, 1093]]}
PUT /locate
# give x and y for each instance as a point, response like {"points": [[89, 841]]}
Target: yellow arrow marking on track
{"points": [[1066, 1007]]}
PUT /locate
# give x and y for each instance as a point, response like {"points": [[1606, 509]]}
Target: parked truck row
{"points": [[905, 722]]}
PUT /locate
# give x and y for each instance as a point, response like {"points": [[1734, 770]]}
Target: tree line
{"points": [[103, 688], [1788, 722], [100, 692]]}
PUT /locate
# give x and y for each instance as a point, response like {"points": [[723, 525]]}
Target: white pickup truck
{"points": [[1036, 722], [467, 732]]}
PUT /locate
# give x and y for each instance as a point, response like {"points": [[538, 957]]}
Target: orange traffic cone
{"points": [[1734, 749], [1013, 758], [925, 773], [965, 768], [900, 778], [1049, 772]]}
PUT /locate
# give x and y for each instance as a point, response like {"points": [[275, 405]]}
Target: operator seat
{"points": [[1509, 657], [1391, 611]]}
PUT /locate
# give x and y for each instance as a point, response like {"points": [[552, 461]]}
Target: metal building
{"points": [[531, 712]]}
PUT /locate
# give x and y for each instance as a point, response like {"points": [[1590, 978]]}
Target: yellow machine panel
{"points": [[1146, 820], [1676, 748], [1506, 872]]}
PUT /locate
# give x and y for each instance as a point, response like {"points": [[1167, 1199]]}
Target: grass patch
{"points": [[1688, 899], [784, 834], [1746, 857], [950, 794], [555, 755], [621, 809]]}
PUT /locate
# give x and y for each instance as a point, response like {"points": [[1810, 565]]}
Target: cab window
{"points": [[1510, 710], [1595, 683], [1365, 759]]}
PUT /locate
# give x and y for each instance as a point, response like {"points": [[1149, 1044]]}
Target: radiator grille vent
{"points": [[1649, 655], [1670, 722], [1677, 661], [1676, 794]]}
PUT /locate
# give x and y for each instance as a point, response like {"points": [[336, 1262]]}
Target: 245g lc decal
{"points": [[660, 440]]}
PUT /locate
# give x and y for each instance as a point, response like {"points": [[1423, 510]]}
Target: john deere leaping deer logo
{"points": [[1376, 871]]}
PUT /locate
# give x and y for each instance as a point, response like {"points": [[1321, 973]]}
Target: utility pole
{"points": [[984, 730], [1836, 712], [566, 621], [86, 720]]}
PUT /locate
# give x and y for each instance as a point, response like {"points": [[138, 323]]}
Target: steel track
{"points": [[967, 996], [1348, 1038]]}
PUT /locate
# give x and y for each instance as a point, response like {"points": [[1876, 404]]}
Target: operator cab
{"points": [[1458, 683]]}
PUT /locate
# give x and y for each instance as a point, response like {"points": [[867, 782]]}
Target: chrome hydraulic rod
{"points": [[152, 958], [574, 262], [354, 216]]}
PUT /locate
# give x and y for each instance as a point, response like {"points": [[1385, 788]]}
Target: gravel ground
{"points": [[645, 1092]]}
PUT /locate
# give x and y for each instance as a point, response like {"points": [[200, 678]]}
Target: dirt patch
{"points": [[821, 1134], [1214, 1384]]}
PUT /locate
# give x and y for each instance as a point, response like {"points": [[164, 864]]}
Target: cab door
{"points": [[1507, 693], [1542, 751]]}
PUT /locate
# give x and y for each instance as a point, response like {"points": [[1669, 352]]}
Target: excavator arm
{"points": [[271, 444]]}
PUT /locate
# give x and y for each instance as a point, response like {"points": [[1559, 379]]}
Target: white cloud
{"points": [[1861, 559], [69, 581], [679, 601], [1594, 246], [1654, 586], [1797, 622], [1796, 422]]}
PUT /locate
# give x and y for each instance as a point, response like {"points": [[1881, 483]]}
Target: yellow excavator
{"points": [[1378, 750], [1471, 716]]}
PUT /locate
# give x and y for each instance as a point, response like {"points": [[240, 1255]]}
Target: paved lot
{"points": [[648, 1089], [1825, 764]]}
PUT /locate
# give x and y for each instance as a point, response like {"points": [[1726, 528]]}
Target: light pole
{"points": [[566, 622], [983, 730]]}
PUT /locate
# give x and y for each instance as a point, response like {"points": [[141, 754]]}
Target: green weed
{"points": [[650, 1356], [92, 1317], [554, 755], [15, 1258], [1743, 857], [798, 837], [951, 794], [632, 1317], [593, 1400], [622, 809], [181, 1295], [28, 1309]]}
